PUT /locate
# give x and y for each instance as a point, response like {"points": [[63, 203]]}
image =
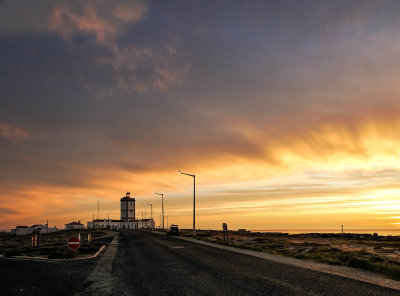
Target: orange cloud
{"points": [[143, 69], [104, 19], [8, 131]]}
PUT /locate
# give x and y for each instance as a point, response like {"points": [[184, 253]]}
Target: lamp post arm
{"points": [[186, 174]]}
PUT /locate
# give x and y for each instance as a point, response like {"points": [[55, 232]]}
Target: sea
{"points": [[384, 232]]}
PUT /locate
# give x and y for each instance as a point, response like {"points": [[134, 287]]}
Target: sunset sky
{"points": [[288, 112]]}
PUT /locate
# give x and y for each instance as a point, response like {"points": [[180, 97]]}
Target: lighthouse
{"points": [[127, 208]]}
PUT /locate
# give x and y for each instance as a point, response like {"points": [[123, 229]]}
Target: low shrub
{"points": [[61, 253], [376, 258], [391, 270], [361, 263]]}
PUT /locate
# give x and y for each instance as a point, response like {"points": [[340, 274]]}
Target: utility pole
{"points": [[151, 217], [98, 209], [342, 229], [167, 223], [47, 225], [145, 216], [162, 203]]}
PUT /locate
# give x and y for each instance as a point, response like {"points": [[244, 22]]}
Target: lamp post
{"points": [[151, 209], [145, 216], [194, 200], [162, 199]]}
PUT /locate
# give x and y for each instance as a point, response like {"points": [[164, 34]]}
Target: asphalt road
{"points": [[26, 277], [154, 264]]}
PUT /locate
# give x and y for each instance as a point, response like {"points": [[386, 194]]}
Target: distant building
{"points": [[120, 224], [49, 230], [22, 230], [43, 228], [128, 208], [112, 224], [146, 223], [127, 221], [74, 225], [40, 228]]}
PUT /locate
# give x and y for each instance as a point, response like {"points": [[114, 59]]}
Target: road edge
{"points": [[342, 271], [53, 260], [100, 280]]}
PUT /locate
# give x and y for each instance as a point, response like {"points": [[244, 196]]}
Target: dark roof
{"points": [[128, 198], [21, 227], [74, 223], [37, 225], [106, 220]]}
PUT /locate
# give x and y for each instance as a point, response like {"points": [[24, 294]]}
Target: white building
{"points": [[38, 227], [74, 225], [23, 230], [49, 230], [43, 228], [112, 224], [127, 221], [120, 224], [146, 223]]}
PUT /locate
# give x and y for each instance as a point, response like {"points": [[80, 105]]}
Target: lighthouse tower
{"points": [[127, 208]]}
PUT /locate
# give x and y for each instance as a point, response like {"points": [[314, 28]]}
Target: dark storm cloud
{"points": [[165, 83]]}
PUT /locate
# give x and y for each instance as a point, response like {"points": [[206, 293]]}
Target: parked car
{"points": [[173, 230]]}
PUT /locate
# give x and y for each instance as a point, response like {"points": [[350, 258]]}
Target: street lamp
{"points": [[162, 198], [194, 200], [145, 216], [151, 207]]}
